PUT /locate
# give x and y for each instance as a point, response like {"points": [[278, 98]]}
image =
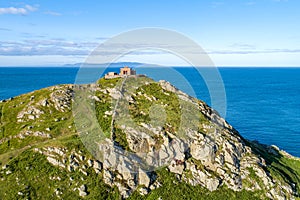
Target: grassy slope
{"points": [[34, 176], [287, 169], [174, 189], [10, 127], [31, 171]]}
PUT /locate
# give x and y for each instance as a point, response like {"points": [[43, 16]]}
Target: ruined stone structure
{"points": [[124, 71]]}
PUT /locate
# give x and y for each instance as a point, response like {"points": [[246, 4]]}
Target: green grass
{"points": [[108, 83], [140, 111], [32, 172], [31, 176], [100, 108], [10, 127], [120, 138], [174, 189], [285, 169]]}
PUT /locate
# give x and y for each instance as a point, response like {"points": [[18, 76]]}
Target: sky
{"points": [[232, 32]]}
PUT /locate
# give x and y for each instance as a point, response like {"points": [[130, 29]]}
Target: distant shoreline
{"points": [[219, 67]]}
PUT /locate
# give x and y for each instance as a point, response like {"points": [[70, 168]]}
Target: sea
{"points": [[263, 104]]}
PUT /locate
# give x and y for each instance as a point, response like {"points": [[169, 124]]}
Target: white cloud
{"points": [[262, 59], [30, 8], [66, 51], [45, 47], [43, 60], [250, 3], [5, 29], [217, 3], [262, 51], [243, 46], [52, 13], [18, 11]]}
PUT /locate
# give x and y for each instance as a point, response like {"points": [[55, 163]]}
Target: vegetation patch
{"points": [[140, 110], [172, 188]]}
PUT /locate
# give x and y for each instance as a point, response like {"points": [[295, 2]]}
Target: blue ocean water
{"points": [[262, 103]]}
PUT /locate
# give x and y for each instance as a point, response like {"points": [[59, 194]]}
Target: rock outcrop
{"points": [[145, 126], [202, 150]]}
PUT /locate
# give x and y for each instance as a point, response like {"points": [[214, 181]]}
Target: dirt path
{"points": [[2, 129], [6, 157], [114, 111]]}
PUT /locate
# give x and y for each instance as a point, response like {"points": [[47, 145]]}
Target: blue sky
{"points": [[233, 32]]}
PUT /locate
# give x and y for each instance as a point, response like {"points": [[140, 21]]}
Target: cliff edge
{"points": [[153, 141]]}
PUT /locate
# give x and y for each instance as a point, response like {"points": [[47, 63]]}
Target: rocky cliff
{"points": [[151, 141]]}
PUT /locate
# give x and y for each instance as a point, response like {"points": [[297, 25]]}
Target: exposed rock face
{"points": [[204, 151], [82, 191], [61, 99], [143, 178], [200, 147], [30, 113], [176, 167], [55, 162], [213, 156]]}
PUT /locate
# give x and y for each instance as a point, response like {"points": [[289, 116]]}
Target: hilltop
{"points": [[196, 154]]}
